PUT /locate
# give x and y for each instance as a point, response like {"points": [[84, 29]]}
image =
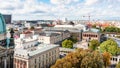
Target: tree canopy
{"points": [[106, 59], [109, 46], [67, 44], [93, 44], [32, 27], [112, 29], [80, 59]]}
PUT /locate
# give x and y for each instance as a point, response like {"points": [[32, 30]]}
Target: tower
{"points": [[12, 37], [2, 31]]}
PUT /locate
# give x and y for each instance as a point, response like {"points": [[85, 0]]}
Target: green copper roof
{"points": [[2, 25]]}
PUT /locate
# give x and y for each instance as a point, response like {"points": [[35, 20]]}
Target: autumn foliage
{"points": [[81, 59]]}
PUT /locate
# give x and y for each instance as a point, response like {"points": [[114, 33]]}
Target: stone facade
{"points": [[6, 58]]}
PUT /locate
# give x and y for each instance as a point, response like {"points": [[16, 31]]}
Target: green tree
{"points": [[109, 46], [118, 65], [67, 44], [94, 26], [118, 52], [112, 29], [32, 27], [93, 44], [106, 58], [74, 37]]}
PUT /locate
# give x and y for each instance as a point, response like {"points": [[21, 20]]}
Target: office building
{"points": [[8, 18]]}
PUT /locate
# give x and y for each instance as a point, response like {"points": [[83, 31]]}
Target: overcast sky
{"points": [[59, 9]]}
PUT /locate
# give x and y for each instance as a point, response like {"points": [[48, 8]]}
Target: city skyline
{"points": [[60, 9]]}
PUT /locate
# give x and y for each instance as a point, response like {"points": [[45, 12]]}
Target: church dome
{"points": [[2, 25], [2, 31]]}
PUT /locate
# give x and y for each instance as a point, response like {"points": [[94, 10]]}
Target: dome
{"points": [[2, 25], [2, 31]]}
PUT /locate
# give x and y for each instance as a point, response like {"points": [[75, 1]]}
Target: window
{"points": [[52, 52], [39, 59], [49, 53], [46, 55], [115, 59], [39, 65], [35, 61], [35, 66]]}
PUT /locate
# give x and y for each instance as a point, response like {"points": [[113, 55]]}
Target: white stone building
{"points": [[29, 54]]}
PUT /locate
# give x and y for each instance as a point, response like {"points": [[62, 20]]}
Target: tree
{"points": [[109, 46], [112, 29], [118, 52], [73, 39], [118, 65], [32, 28], [67, 44], [92, 60], [93, 44], [80, 59], [94, 26], [106, 58]]}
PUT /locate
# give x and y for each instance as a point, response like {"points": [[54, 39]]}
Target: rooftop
{"points": [[93, 30], [49, 34], [28, 53]]}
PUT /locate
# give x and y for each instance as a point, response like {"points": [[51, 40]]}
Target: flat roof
{"points": [[27, 53], [49, 34], [93, 30]]}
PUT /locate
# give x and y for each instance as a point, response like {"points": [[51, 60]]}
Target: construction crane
{"points": [[88, 16], [88, 23]]}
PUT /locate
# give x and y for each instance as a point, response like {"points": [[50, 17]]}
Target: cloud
{"points": [[58, 2], [59, 8], [91, 2]]}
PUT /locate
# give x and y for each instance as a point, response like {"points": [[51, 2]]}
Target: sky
{"points": [[60, 9]]}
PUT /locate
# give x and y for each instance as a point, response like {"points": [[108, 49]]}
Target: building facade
{"points": [[7, 18], [6, 57], [30, 54], [52, 37], [90, 35]]}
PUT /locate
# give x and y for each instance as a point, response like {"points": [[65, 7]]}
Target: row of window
{"points": [[115, 59], [46, 59], [89, 35]]}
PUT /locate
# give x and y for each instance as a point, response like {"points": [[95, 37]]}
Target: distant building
{"points": [[75, 32], [91, 34], [65, 51], [53, 36], [29, 24], [7, 18], [29, 54]]}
